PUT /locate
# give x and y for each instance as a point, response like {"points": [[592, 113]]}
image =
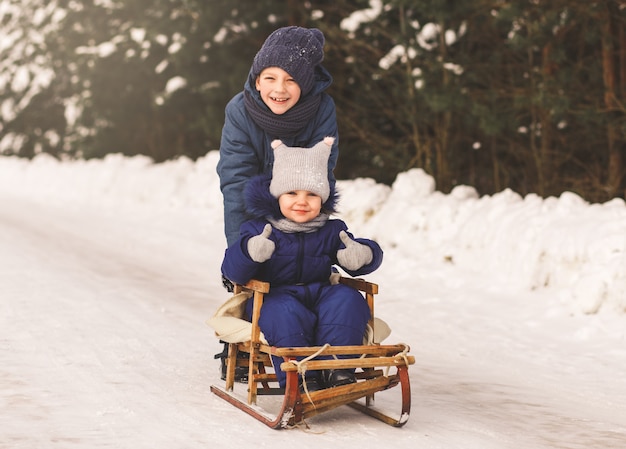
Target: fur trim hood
{"points": [[260, 203]]}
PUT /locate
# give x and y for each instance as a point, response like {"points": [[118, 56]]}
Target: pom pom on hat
{"points": [[294, 49], [298, 168]]}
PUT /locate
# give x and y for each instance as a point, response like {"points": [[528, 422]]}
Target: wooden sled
{"points": [[378, 368]]}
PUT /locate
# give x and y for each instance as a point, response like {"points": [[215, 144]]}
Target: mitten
{"points": [[354, 255], [260, 247]]}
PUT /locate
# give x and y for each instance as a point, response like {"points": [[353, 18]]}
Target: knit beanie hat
{"points": [[298, 168], [294, 49]]}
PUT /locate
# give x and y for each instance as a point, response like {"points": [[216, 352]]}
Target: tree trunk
{"points": [[613, 48]]}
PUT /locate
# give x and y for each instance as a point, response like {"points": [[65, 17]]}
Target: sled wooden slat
{"points": [[378, 368], [377, 350], [349, 363]]}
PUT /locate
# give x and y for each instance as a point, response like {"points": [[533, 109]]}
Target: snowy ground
{"points": [[514, 308]]}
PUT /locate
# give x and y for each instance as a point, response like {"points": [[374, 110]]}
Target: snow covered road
{"points": [[103, 345], [103, 341]]}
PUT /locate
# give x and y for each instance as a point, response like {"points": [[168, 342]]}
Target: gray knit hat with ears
{"points": [[294, 49], [298, 168]]}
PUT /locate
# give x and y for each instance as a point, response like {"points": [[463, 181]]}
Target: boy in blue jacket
{"points": [[283, 98], [293, 244]]}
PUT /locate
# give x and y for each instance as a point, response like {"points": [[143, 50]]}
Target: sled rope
{"points": [[402, 355], [306, 428], [301, 365]]}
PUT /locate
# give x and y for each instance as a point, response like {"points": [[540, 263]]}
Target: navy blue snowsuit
{"points": [[302, 307]]}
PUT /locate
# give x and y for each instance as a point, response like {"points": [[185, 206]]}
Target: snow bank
{"points": [[179, 183], [565, 243]]}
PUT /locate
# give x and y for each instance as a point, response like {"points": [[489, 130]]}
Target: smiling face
{"points": [[279, 91], [300, 206]]}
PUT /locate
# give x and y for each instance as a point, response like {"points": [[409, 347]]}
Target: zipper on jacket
{"points": [[299, 259]]}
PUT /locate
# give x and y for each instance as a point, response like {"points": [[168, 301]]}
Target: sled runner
{"points": [[378, 367]]}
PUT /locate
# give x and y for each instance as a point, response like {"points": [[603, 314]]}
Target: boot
{"points": [[337, 377], [241, 372], [312, 383]]}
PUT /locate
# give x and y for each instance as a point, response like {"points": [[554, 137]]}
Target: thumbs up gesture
{"points": [[260, 247], [354, 255]]}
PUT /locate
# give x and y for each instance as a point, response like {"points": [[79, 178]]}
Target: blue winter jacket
{"points": [[245, 149], [299, 258]]}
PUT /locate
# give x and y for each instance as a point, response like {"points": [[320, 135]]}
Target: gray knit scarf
{"points": [[284, 125], [291, 227]]}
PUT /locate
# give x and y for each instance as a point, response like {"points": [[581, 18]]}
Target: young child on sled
{"points": [[292, 243]]}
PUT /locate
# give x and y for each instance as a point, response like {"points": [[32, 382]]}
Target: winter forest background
{"points": [[520, 94]]}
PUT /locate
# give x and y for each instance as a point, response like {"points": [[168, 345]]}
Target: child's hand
{"points": [[355, 255], [260, 247]]}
